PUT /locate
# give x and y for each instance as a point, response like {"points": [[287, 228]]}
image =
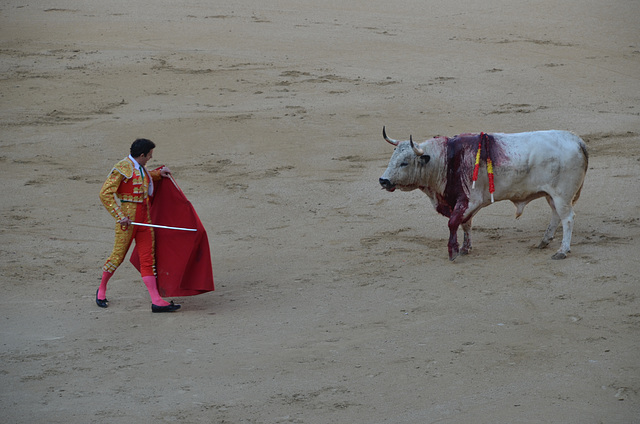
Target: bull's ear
{"points": [[425, 159]]}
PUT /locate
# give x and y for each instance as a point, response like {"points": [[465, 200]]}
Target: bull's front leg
{"points": [[454, 222], [453, 241], [466, 244]]}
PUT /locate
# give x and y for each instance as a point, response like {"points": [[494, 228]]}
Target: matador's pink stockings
{"points": [[149, 281], [102, 290], [152, 286]]}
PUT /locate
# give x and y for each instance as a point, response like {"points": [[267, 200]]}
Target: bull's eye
{"points": [[404, 164]]}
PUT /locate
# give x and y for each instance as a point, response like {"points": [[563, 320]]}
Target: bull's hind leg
{"points": [[553, 225], [567, 230], [565, 213]]}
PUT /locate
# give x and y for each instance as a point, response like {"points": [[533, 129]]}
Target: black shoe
{"points": [[169, 308], [101, 302]]}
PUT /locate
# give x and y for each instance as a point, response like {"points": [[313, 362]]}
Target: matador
{"points": [[125, 194]]}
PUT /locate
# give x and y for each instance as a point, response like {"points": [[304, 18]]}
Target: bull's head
{"points": [[404, 166]]}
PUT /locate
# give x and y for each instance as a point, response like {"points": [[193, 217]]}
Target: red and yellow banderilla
{"points": [[492, 188]]}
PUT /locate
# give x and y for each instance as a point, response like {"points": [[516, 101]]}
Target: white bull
{"points": [[526, 166]]}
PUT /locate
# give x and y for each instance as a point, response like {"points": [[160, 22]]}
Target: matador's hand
{"points": [[165, 172], [124, 223]]}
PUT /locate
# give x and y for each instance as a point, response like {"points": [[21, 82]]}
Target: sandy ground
{"points": [[335, 301]]}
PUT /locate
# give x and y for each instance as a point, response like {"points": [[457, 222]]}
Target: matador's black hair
{"points": [[141, 146]]}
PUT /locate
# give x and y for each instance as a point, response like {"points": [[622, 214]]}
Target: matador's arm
{"points": [[108, 195], [157, 173]]}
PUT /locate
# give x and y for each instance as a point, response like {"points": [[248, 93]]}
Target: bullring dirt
{"points": [[335, 301]]}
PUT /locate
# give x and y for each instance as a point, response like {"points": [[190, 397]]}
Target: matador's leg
{"points": [[122, 242]]}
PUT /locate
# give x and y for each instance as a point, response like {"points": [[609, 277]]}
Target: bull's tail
{"points": [[585, 155], [577, 195]]}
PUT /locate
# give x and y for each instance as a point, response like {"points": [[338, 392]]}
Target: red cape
{"points": [[183, 258]]}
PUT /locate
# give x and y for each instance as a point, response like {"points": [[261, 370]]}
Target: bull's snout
{"points": [[386, 184]]}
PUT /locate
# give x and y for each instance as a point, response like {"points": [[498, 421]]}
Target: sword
{"points": [[164, 226]]}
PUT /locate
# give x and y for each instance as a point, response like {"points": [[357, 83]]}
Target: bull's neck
{"points": [[434, 176]]}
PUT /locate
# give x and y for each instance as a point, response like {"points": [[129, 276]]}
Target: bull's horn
{"points": [[389, 140], [416, 150]]}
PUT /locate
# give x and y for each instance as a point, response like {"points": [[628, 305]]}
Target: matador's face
{"points": [[143, 159]]}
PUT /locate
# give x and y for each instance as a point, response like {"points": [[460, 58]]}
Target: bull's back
{"points": [[540, 148], [529, 164]]}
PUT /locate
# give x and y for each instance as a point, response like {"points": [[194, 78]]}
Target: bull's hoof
{"points": [[453, 256], [559, 255], [543, 244]]}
